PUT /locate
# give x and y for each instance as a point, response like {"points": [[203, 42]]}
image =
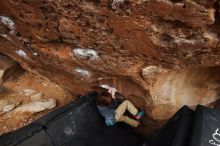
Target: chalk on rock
{"points": [[21, 53], [37, 106], [86, 53], [82, 72], [116, 2], [8, 22], [105, 86]]}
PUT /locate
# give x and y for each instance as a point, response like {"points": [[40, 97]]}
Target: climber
{"points": [[109, 107]]}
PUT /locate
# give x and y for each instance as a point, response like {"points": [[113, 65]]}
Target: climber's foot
{"points": [[139, 115]]}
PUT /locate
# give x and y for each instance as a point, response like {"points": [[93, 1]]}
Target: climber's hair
{"points": [[104, 99]]}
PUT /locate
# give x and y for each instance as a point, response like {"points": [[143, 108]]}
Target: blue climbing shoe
{"points": [[110, 122]]}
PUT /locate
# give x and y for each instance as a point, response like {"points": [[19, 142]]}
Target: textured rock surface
{"points": [[175, 89], [135, 45], [8, 68], [28, 97], [37, 106]]}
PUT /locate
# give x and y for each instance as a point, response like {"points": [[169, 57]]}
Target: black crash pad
{"points": [[43, 121], [81, 122], [206, 130], [38, 139], [76, 124], [24, 133], [177, 131], [115, 137]]}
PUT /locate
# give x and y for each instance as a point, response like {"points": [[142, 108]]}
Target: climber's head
{"points": [[104, 99]]}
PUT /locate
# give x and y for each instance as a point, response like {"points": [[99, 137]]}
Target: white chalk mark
{"points": [[114, 2], [86, 53], [21, 53], [107, 86], [35, 54], [8, 22], [83, 72]]}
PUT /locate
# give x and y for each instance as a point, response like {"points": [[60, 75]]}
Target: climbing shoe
{"points": [[139, 114], [110, 122]]}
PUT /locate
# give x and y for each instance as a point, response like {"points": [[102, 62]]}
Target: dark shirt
{"points": [[108, 112]]}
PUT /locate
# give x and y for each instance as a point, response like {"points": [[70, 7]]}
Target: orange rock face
{"points": [[137, 46]]}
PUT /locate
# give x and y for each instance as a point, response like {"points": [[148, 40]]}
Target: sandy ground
{"points": [[14, 94]]}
